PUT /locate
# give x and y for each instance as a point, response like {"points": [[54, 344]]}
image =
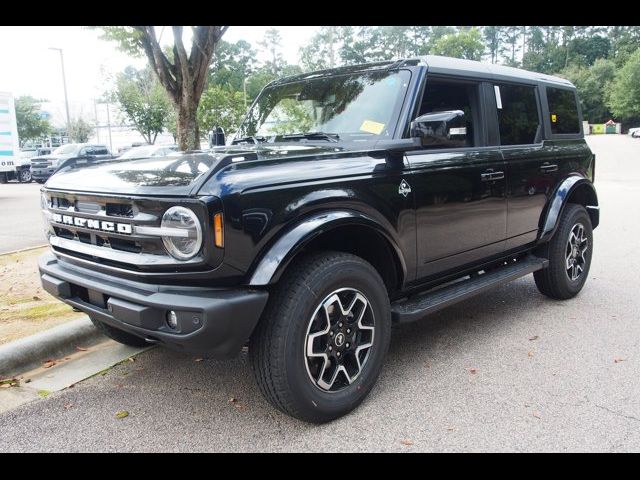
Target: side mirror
{"points": [[441, 129], [216, 137]]}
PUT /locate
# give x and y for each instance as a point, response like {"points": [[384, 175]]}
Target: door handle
{"points": [[547, 168], [491, 175]]}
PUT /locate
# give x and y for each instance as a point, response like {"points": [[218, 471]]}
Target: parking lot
{"points": [[510, 370], [22, 225]]}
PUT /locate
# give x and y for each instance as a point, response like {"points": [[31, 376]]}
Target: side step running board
{"points": [[421, 305]]}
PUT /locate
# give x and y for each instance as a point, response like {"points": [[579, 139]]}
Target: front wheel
{"points": [[319, 347], [569, 252]]}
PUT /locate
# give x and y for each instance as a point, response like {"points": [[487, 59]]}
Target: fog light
{"points": [[172, 319]]}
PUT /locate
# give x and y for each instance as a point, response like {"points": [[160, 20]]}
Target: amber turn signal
{"points": [[218, 230]]}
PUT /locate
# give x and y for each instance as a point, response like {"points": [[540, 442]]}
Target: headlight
{"points": [[185, 239]]}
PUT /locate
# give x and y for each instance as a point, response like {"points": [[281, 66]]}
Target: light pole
{"points": [[64, 84]]}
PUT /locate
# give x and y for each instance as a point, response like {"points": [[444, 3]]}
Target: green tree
{"points": [[220, 108], [493, 39], [464, 44], [272, 42], [143, 100], [322, 50], [592, 84], [232, 64], [31, 125], [183, 74], [624, 97], [79, 130]]}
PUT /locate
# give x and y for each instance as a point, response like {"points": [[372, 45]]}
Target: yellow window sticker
{"points": [[370, 126], [554, 118]]}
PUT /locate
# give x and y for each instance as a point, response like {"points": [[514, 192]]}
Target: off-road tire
{"points": [[277, 346], [554, 281]]}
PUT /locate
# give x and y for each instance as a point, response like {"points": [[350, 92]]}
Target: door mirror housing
{"points": [[441, 129], [216, 137]]}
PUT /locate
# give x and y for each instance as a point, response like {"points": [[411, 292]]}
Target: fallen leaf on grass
{"points": [[536, 414], [473, 371], [535, 337], [122, 414], [618, 360], [198, 359], [44, 393], [406, 442], [82, 349], [48, 363]]}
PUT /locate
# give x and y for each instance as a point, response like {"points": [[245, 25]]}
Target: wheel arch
{"points": [[339, 230], [574, 189]]}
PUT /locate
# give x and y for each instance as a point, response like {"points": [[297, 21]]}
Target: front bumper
{"points": [[211, 322]]}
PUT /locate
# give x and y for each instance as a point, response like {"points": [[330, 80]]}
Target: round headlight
{"points": [[184, 239]]}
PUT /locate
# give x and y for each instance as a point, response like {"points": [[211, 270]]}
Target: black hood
{"points": [[175, 175]]}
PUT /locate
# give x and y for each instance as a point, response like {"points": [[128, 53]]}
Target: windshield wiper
{"points": [[331, 137], [248, 139]]}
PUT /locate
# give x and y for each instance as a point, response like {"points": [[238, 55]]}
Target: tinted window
{"points": [[447, 96], [563, 111], [517, 114], [100, 150]]}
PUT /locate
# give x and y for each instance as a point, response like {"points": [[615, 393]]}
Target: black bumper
{"points": [[42, 173], [211, 322]]}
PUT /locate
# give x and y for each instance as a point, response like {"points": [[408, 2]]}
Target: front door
{"points": [[459, 189]]}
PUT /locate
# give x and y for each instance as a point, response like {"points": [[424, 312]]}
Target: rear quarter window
{"points": [[563, 111]]}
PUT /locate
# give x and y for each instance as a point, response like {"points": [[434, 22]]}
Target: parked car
{"points": [[147, 151], [68, 155], [349, 199], [634, 132]]}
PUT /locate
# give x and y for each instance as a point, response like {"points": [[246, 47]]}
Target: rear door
{"points": [[531, 169], [459, 189]]}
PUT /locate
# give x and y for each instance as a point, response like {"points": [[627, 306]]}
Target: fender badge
{"points": [[404, 188]]}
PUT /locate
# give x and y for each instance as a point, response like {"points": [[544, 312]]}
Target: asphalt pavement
{"points": [[22, 225], [507, 371]]}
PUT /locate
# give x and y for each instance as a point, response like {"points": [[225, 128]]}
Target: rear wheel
{"points": [[119, 335], [569, 252], [320, 345], [24, 176]]}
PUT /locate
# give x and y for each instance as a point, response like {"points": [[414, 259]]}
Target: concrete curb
{"points": [[24, 249], [28, 353]]}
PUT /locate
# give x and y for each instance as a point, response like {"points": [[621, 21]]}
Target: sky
{"points": [[31, 68]]}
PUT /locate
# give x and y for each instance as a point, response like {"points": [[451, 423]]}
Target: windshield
{"points": [[68, 149], [354, 107]]}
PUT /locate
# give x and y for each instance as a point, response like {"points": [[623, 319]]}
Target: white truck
{"points": [[13, 165]]}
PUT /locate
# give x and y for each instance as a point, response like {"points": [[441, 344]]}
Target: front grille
{"points": [[40, 163], [85, 219]]}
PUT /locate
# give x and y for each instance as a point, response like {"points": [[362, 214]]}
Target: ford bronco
{"points": [[349, 199]]}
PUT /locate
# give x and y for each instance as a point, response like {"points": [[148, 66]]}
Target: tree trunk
{"points": [[188, 134]]}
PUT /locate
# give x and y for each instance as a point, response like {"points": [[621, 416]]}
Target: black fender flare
{"points": [[280, 254], [559, 199]]}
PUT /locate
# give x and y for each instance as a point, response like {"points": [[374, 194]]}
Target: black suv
{"points": [[67, 155], [350, 199]]}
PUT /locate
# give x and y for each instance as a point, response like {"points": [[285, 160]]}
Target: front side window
{"points": [[518, 117], [563, 111], [443, 96], [357, 106]]}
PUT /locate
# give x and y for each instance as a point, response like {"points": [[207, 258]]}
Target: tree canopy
{"points": [[32, 126]]}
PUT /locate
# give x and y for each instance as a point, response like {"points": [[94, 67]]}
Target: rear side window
{"points": [[563, 111], [100, 150], [518, 116]]}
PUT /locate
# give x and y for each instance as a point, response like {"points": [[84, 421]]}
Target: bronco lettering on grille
{"points": [[105, 226]]}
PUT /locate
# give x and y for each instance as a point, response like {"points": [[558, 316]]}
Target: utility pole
{"points": [[64, 85], [95, 111], [109, 127]]}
